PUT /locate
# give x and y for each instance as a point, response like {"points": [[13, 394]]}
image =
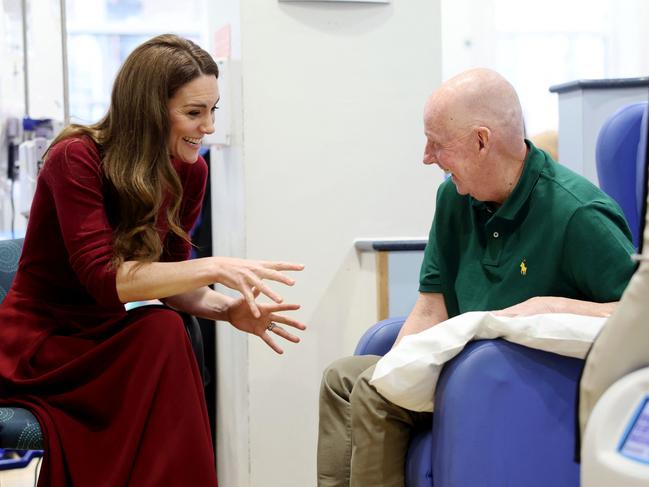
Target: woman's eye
{"points": [[194, 114], [214, 108]]}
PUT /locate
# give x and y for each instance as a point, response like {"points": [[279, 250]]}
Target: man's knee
{"points": [[364, 396], [341, 375]]}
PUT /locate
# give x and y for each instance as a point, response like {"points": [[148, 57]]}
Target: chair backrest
{"points": [[9, 256], [617, 161], [641, 173]]}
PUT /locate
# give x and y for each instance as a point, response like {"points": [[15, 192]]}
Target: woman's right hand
{"points": [[246, 276]]}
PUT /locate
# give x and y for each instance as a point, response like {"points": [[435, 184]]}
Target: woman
{"points": [[119, 395]]}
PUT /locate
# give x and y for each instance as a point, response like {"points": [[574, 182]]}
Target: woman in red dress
{"points": [[118, 394]]}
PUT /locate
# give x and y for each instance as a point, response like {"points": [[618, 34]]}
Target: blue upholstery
{"points": [[618, 163], [641, 169], [505, 415], [380, 337], [9, 255], [19, 429], [509, 412]]}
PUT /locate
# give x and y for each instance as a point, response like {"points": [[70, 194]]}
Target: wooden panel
{"points": [[382, 282]]}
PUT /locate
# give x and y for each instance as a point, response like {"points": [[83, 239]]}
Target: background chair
{"points": [[505, 415], [620, 165], [641, 171]]}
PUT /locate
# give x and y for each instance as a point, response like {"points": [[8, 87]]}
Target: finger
{"points": [[258, 284], [502, 312], [287, 321], [272, 308], [271, 343], [511, 312], [278, 330], [273, 275], [282, 266], [250, 299]]}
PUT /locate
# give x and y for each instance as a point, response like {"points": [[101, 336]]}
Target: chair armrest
{"points": [[380, 337], [508, 411]]}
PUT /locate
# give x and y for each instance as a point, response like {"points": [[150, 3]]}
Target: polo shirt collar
{"points": [[532, 167]]}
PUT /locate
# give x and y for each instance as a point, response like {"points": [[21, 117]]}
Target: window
{"points": [[102, 33]]}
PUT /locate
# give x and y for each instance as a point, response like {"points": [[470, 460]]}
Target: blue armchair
{"points": [[620, 159], [505, 415]]}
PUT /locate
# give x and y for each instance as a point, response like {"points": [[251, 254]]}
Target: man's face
{"points": [[451, 151]]}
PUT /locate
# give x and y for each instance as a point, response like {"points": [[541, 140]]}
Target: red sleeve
{"points": [[194, 180], [73, 174]]}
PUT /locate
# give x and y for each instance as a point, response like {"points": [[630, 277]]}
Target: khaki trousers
{"points": [[363, 438]]}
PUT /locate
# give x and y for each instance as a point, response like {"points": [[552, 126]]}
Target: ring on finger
{"points": [[271, 326]]}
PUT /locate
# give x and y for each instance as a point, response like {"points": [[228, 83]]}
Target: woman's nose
{"points": [[208, 125]]}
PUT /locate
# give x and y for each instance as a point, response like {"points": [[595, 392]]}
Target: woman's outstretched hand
{"points": [[241, 316], [247, 275]]}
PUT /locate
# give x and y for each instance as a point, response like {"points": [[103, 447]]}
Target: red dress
{"points": [[118, 395]]}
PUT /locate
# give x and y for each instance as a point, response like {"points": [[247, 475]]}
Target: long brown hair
{"points": [[133, 139]]}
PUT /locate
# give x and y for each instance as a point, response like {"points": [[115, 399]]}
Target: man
{"points": [[513, 231]]}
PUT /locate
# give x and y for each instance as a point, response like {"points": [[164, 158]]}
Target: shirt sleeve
{"points": [[429, 276], [194, 184], [73, 174], [597, 252]]}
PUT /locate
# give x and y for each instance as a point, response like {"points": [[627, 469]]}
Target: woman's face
{"points": [[191, 116]]}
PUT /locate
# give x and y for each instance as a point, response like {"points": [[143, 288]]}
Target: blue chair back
{"points": [[618, 162], [641, 173]]}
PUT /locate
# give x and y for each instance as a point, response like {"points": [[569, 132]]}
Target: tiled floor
{"points": [[21, 477]]}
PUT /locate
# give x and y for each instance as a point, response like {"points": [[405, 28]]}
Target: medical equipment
{"points": [[616, 442]]}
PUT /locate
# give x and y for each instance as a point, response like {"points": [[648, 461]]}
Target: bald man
{"points": [[513, 231]]}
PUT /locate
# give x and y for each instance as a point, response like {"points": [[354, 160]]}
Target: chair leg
{"points": [[196, 340]]}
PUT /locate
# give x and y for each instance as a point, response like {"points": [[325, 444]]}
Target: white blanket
{"points": [[407, 374]]}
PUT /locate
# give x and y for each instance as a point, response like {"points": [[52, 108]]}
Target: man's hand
{"points": [[553, 304]]}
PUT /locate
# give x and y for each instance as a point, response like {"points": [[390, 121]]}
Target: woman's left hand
{"points": [[241, 317]]}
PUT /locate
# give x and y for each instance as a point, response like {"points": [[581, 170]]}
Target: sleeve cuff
{"points": [[430, 288]]}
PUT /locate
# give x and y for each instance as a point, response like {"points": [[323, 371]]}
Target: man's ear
{"points": [[484, 138]]}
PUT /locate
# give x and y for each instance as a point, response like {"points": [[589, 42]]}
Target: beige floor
{"points": [[21, 477]]}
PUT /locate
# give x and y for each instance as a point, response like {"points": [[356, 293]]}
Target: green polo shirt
{"points": [[555, 235]]}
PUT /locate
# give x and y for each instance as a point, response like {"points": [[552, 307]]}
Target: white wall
{"points": [[45, 59], [538, 44], [330, 150]]}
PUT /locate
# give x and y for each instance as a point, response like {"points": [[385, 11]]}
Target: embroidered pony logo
{"points": [[523, 267]]}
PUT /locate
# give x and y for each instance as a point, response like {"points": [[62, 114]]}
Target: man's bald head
{"points": [[478, 97], [474, 131]]}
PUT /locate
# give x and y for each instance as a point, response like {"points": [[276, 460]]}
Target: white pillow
{"points": [[407, 374]]}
